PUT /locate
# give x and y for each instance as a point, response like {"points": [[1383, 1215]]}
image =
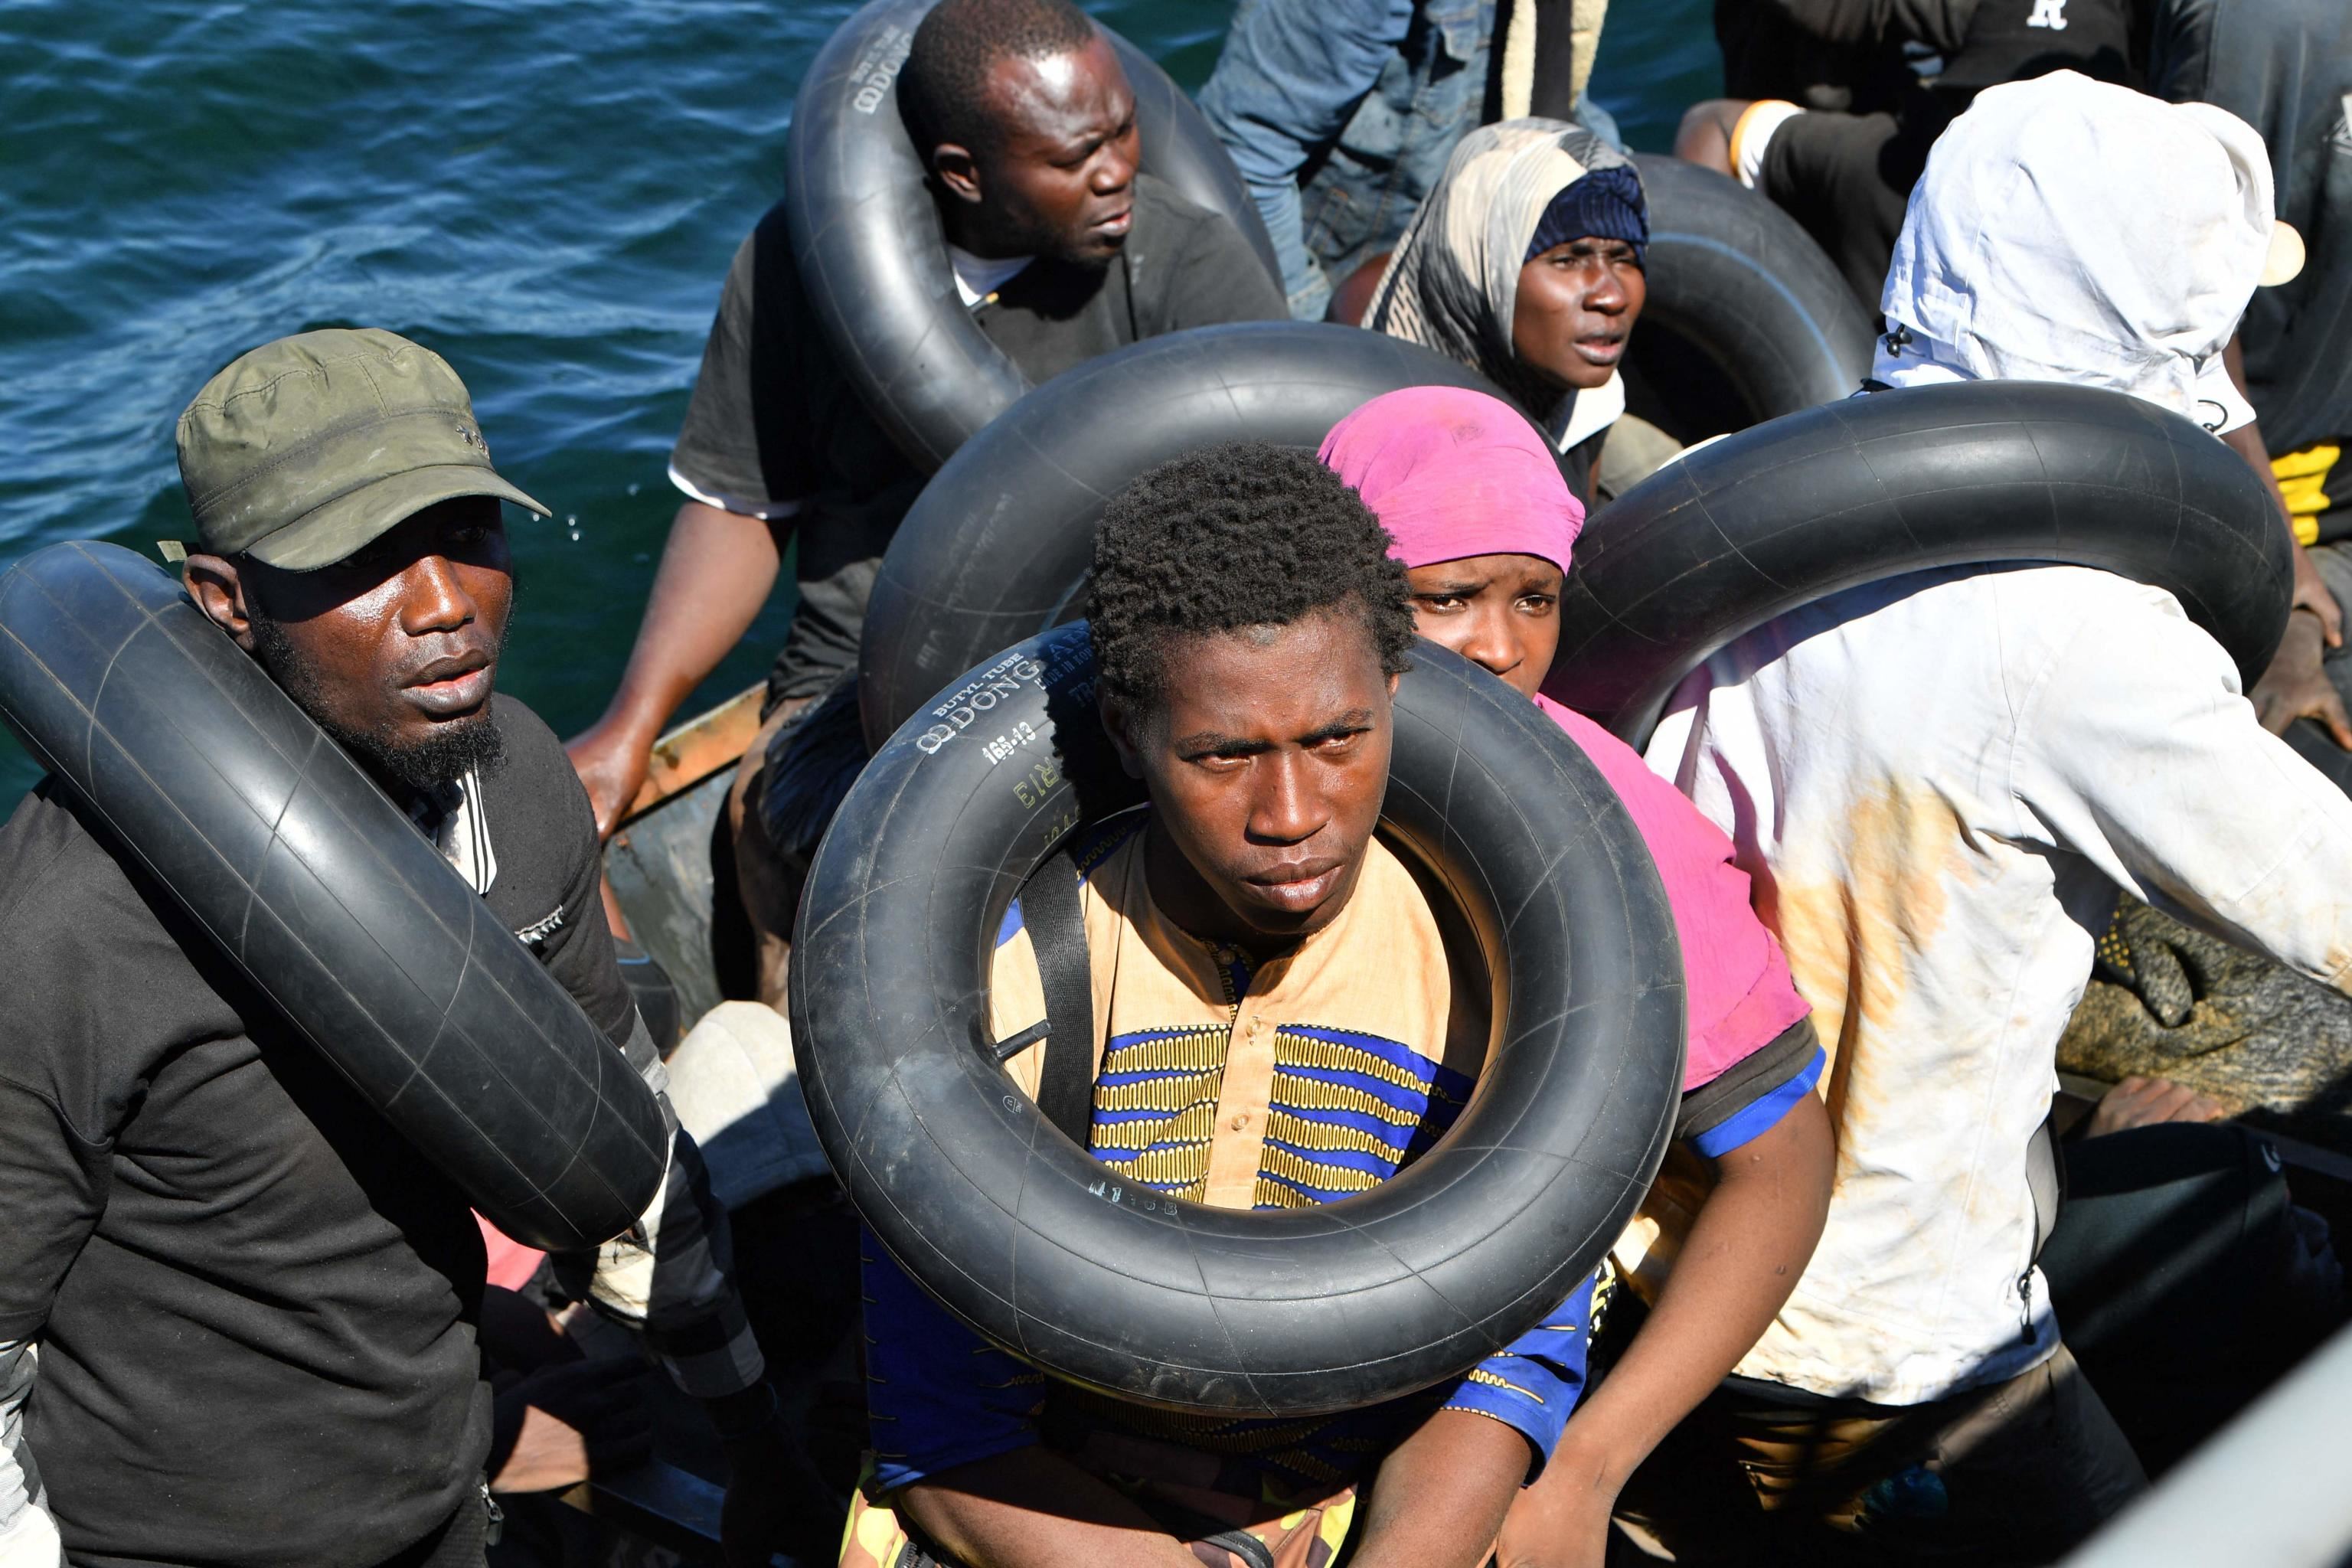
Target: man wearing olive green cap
{"points": [[308, 449], [250, 1304]]}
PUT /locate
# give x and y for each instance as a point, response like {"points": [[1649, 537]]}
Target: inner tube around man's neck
{"points": [[872, 253], [1772, 519]]}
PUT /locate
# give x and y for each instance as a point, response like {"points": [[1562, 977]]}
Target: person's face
{"points": [[1059, 179], [393, 650], [1266, 757], [1498, 611], [1575, 307]]}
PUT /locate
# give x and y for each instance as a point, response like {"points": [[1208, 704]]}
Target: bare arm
{"points": [[1033, 1509], [2296, 685], [1705, 137], [2310, 593], [715, 573], [1746, 1247], [1441, 1495]]}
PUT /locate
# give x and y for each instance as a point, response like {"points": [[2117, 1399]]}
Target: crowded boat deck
{"points": [[1409, 784]]}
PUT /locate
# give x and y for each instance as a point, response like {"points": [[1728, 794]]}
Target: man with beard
{"points": [[1061, 249], [238, 1310]]}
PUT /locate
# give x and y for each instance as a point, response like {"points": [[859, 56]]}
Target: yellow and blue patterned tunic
{"points": [[1308, 1078]]}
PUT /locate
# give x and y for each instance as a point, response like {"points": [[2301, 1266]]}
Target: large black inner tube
{"points": [[1748, 319], [999, 545], [1028, 1239], [325, 895], [871, 254], [1775, 517]]}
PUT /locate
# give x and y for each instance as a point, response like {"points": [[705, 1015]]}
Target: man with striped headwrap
{"points": [[1526, 264]]}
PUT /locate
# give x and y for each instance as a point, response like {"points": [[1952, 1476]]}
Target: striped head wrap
{"points": [[1453, 281]]}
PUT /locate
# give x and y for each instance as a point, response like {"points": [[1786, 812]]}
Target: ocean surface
{"points": [[544, 192]]}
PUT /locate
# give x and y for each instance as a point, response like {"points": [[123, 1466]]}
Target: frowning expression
{"points": [[1266, 757], [1575, 307], [393, 649], [1057, 176], [1498, 611]]}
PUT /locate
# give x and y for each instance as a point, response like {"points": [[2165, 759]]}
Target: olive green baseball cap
{"points": [[303, 450]]}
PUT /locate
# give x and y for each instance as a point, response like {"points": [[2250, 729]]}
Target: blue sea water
{"points": [[546, 193]]}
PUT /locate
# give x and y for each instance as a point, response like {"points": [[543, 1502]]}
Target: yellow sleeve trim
{"points": [[2302, 480]]}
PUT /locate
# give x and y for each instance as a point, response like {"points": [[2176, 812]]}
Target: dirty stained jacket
{"points": [[1936, 783]]}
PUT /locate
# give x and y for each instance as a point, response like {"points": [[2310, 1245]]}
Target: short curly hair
{"points": [[943, 85], [1233, 536]]}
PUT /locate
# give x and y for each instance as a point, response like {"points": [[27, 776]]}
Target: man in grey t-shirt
{"points": [[1027, 124]]}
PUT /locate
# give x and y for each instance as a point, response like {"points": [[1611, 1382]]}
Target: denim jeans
{"points": [[1340, 115]]}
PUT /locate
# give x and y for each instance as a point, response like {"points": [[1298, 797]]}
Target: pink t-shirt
{"points": [[1453, 473], [511, 1263], [1741, 998]]}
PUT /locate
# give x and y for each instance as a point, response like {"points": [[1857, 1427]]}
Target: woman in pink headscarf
{"points": [[1484, 523]]}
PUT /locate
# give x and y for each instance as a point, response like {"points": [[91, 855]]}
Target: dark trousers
{"points": [[2185, 1282], [1761, 1475], [2184, 1278], [459, 1543]]}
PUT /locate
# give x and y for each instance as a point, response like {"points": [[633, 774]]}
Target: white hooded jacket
{"points": [[1937, 782], [2071, 230]]}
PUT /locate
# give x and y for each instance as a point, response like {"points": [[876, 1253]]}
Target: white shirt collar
{"points": [[1582, 412], [977, 276]]}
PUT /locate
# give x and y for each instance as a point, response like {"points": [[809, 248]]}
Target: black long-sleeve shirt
{"points": [[253, 1302]]}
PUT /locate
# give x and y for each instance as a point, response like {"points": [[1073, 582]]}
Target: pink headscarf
{"points": [[1451, 472]]}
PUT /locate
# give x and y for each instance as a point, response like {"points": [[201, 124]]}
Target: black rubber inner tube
{"points": [[1028, 1239], [999, 545], [871, 254], [1748, 319], [325, 895], [1866, 488]]}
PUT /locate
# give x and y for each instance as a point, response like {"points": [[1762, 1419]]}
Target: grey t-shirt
{"points": [[774, 424]]}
